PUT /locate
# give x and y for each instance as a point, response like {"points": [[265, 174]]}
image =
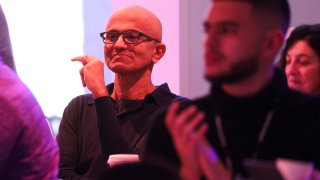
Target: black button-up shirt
{"points": [[120, 129]]}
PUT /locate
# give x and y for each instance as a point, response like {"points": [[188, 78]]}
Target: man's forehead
{"points": [[125, 23], [133, 15], [229, 10], [136, 18]]}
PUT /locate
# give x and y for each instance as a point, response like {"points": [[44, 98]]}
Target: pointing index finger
{"points": [[81, 59]]}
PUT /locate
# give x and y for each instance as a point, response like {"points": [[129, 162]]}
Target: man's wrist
{"points": [[100, 93]]}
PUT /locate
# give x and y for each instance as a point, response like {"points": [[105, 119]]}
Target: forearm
{"points": [[158, 143]]}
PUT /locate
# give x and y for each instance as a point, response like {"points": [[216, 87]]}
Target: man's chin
{"points": [[214, 78], [222, 79], [118, 69]]}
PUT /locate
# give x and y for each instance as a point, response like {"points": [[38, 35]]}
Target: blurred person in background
{"points": [[250, 112], [301, 59], [27, 147]]}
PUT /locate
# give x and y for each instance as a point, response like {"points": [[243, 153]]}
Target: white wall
{"points": [[45, 35], [305, 12], [192, 35]]}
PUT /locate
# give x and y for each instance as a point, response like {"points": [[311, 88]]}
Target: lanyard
{"points": [[224, 144]]}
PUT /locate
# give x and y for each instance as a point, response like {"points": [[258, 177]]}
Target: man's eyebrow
{"points": [[112, 30], [228, 23], [208, 25]]}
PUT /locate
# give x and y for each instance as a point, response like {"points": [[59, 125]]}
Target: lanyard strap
{"points": [[224, 144]]}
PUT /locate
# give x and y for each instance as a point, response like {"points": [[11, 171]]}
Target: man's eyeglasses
{"points": [[129, 37]]}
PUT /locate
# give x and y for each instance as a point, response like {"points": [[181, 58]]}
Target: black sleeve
{"points": [[111, 138], [159, 145], [67, 139]]}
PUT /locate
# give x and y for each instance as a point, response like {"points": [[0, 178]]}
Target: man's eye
{"points": [[131, 36], [112, 36], [227, 30], [206, 29]]}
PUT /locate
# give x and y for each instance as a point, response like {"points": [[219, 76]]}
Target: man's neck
{"points": [[130, 87], [250, 85]]}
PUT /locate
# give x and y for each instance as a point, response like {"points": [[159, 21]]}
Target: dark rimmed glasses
{"points": [[129, 37]]}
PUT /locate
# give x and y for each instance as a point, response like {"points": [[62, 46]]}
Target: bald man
{"points": [[117, 114]]}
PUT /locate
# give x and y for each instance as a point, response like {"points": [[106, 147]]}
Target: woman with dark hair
{"points": [[301, 59]]}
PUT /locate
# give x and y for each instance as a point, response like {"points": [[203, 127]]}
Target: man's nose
{"points": [[120, 42], [212, 39]]}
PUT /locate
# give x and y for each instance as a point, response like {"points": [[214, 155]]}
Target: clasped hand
{"points": [[198, 158]]}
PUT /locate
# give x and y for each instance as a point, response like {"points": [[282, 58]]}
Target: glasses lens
{"points": [[111, 37], [131, 37]]}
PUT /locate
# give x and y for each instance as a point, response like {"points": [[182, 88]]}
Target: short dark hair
{"points": [[278, 10], [308, 33]]}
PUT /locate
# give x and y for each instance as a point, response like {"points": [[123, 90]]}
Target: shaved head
{"points": [[136, 18]]}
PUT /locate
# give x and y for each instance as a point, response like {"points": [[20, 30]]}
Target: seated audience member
{"points": [[250, 112], [5, 43], [301, 59], [27, 147], [114, 118]]}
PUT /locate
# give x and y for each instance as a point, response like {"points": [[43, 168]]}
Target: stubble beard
{"points": [[238, 71]]}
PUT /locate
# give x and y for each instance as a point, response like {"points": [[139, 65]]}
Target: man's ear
{"points": [[273, 43], [158, 53]]}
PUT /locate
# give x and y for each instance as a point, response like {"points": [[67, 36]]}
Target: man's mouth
{"points": [[119, 55]]}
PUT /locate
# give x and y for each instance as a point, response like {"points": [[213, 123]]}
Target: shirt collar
{"points": [[160, 95]]}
